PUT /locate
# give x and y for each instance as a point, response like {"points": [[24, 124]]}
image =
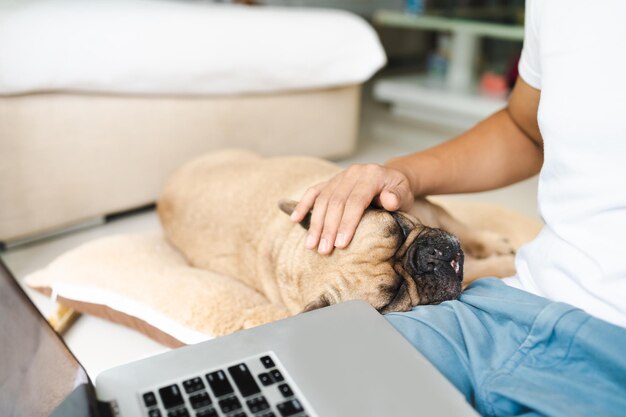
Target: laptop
{"points": [[343, 360]]}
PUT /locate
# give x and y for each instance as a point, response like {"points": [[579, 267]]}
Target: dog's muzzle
{"points": [[433, 260], [436, 253]]}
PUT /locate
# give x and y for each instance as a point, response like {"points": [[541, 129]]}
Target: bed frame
{"points": [[69, 158]]}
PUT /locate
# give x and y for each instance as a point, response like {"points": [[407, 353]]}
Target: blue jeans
{"points": [[515, 354]]}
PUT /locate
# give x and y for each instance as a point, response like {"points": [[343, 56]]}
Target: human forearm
{"points": [[494, 153]]}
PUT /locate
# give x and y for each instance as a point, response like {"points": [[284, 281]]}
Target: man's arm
{"points": [[505, 148], [501, 150]]}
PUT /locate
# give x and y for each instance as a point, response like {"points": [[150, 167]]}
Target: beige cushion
{"points": [[140, 281]]}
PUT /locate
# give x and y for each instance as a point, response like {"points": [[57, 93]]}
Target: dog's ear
{"points": [[288, 206], [322, 301]]}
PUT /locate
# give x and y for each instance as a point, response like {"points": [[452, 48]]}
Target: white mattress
{"points": [[179, 47]]}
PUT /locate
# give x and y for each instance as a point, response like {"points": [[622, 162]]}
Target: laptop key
{"points": [[149, 399], [289, 408], [267, 362], [219, 383], [265, 379], [258, 404], [193, 385], [268, 414], [199, 400], [244, 380], [229, 404], [179, 412], [171, 396], [209, 412], [241, 414], [155, 412], [285, 390], [276, 375]]}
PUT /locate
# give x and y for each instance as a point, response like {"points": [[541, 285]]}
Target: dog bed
{"points": [[140, 281]]}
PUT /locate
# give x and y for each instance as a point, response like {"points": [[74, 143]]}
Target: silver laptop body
{"points": [[343, 360]]}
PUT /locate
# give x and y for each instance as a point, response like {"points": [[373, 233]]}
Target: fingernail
{"points": [[341, 240], [310, 242], [294, 216], [323, 245]]}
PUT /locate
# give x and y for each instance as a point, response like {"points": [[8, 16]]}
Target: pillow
{"points": [[139, 280]]}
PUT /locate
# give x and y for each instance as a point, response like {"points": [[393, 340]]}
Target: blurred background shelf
{"points": [[463, 24], [454, 99], [431, 100]]}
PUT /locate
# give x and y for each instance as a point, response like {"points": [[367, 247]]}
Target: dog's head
{"points": [[393, 262]]}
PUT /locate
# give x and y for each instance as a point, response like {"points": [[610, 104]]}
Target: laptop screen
{"points": [[37, 371]]}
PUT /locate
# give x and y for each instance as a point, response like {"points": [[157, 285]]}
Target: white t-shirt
{"points": [[575, 53]]}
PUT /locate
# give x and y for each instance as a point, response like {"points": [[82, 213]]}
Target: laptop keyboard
{"points": [[257, 387]]}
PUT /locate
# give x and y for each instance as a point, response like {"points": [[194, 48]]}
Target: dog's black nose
{"points": [[435, 253]]}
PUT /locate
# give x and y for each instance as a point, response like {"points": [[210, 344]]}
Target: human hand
{"points": [[339, 203]]}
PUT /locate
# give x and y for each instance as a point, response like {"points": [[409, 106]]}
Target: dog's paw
{"points": [[486, 244]]}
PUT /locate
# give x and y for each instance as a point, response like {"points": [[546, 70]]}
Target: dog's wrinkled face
{"points": [[393, 262]]}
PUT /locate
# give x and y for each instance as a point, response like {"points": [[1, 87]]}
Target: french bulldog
{"points": [[227, 212]]}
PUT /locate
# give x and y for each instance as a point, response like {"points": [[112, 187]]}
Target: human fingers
{"points": [[335, 211], [306, 203], [318, 213], [359, 200], [388, 200], [396, 193], [338, 204]]}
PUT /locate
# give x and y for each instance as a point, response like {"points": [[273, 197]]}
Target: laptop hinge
{"points": [[79, 403], [108, 409]]}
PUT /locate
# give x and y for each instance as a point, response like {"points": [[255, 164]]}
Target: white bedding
{"points": [[179, 47]]}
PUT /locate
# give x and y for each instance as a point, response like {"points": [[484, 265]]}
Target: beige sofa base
{"points": [[66, 158]]}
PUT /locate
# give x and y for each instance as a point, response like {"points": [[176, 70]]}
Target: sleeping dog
{"points": [[221, 212]]}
